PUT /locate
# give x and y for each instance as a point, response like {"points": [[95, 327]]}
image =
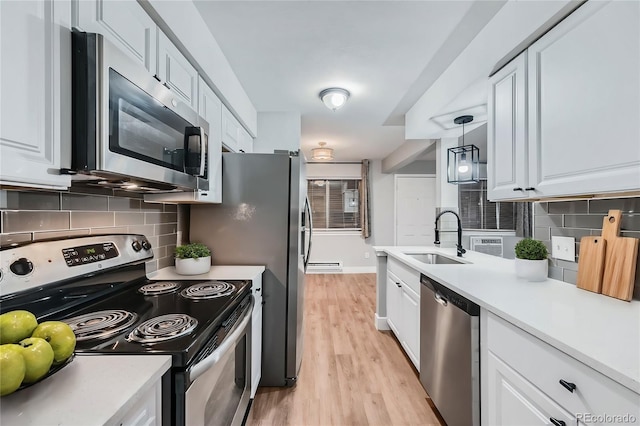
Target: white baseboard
{"points": [[359, 270], [381, 323], [347, 270]]}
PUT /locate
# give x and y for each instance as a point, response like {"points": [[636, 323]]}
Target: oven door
{"points": [[221, 383]]}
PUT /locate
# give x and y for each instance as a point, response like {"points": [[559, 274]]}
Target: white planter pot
{"points": [[197, 266], [532, 270]]}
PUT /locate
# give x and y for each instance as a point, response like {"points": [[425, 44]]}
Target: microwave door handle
{"points": [[203, 152]]}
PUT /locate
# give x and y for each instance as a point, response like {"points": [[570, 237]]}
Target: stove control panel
{"points": [[33, 265], [82, 255]]}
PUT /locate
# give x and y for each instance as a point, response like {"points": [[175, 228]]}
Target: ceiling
{"points": [[384, 52]]}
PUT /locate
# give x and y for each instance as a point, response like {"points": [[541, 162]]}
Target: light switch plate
{"points": [[563, 248]]}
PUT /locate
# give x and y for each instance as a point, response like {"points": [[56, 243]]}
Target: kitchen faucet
{"points": [[459, 248]]}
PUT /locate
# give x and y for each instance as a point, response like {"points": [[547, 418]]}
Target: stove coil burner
{"points": [[101, 324], [158, 288], [208, 290], [162, 328]]}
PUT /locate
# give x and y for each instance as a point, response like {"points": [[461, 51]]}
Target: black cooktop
{"points": [[207, 313], [122, 292]]}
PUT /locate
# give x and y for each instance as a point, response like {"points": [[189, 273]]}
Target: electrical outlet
{"points": [[366, 254], [563, 248]]}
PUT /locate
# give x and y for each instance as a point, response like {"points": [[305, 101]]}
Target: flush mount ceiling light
{"points": [[322, 153], [334, 98], [463, 162]]}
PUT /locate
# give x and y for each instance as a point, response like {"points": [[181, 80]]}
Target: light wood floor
{"points": [[351, 373]]}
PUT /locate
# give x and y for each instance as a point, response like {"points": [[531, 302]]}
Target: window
{"points": [[335, 204], [478, 213]]}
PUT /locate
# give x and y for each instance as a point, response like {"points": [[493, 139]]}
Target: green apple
{"points": [[16, 325], [60, 336], [38, 357], [12, 368]]}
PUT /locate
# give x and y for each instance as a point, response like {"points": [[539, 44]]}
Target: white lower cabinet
{"points": [[35, 93], [147, 411], [515, 401], [256, 335], [526, 381], [394, 301], [403, 308]]}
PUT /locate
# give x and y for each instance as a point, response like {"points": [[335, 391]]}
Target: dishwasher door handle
{"points": [[440, 299]]}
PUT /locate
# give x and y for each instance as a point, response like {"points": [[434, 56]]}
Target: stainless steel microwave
{"points": [[129, 131]]}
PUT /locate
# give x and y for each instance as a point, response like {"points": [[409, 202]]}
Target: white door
{"points": [[415, 210]]}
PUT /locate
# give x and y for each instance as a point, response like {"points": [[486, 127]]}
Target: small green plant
{"points": [[192, 251], [531, 249]]}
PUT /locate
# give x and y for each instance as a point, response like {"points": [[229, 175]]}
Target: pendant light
{"points": [[322, 153], [334, 98], [463, 162]]}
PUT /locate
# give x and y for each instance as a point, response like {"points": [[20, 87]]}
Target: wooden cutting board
{"points": [[591, 263], [621, 255]]}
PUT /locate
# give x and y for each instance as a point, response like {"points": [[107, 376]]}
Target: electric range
{"points": [[98, 286]]}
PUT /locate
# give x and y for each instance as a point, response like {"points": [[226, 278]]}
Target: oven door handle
{"points": [[239, 329]]}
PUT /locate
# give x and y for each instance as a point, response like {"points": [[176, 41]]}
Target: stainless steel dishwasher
{"points": [[450, 352]]}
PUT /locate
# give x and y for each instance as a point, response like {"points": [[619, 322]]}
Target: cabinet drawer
{"points": [[594, 395], [409, 276]]}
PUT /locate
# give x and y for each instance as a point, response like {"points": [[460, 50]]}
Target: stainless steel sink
{"points": [[435, 259]]}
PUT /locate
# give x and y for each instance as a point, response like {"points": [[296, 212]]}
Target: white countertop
{"points": [[601, 332], [91, 390], [217, 272]]}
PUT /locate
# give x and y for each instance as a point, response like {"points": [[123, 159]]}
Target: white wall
{"points": [[277, 130]]}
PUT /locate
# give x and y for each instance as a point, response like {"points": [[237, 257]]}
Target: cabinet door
{"points": [[411, 322], [394, 301], [246, 141], [210, 107], [256, 347], [230, 130], [512, 400], [175, 71], [35, 89], [507, 132], [124, 23], [584, 102]]}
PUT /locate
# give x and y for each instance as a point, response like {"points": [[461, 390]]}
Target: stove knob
{"points": [[22, 266], [136, 245], [146, 245]]}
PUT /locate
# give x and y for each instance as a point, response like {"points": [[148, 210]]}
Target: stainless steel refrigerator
{"points": [[264, 219]]}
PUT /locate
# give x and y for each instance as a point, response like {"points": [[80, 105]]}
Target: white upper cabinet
{"points": [[210, 107], [584, 102], [175, 71], [35, 90], [230, 130], [581, 103], [124, 23], [245, 143], [507, 130]]}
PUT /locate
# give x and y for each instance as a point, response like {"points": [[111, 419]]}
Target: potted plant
{"points": [[531, 260], [193, 259]]}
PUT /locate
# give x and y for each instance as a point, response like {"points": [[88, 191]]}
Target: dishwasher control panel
{"points": [[450, 296]]}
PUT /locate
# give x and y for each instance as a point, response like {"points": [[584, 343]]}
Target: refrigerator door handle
{"points": [[307, 253]]}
